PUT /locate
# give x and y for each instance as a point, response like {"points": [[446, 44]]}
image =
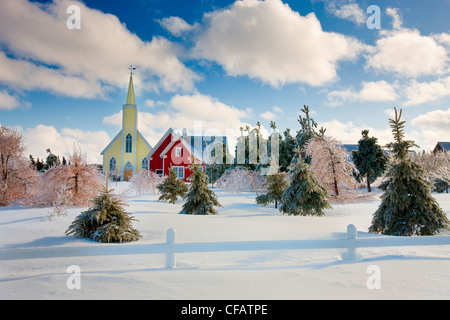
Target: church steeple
{"points": [[130, 95]]}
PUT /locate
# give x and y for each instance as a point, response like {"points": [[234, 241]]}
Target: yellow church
{"points": [[127, 153]]}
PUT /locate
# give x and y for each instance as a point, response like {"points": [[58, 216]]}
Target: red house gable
{"points": [[172, 151]]}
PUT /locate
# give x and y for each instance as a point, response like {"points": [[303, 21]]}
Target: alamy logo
{"points": [[74, 280], [374, 21], [74, 20], [374, 280]]}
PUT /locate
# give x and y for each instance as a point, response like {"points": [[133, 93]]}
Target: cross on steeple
{"points": [[130, 95]]}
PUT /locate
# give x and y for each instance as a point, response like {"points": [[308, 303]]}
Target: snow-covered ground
{"points": [[402, 272]]}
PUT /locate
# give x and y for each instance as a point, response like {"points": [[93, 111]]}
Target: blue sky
{"points": [[224, 63]]}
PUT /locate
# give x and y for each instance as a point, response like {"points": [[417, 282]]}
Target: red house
{"points": [[174, 150]]}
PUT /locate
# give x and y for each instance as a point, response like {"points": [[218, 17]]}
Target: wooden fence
{"points": [[171, 247]]}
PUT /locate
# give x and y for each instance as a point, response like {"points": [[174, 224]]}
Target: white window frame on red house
{"points": [[177, 151], [176, 170]]}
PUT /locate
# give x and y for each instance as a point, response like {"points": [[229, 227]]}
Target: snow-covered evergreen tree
{"points": [[369, 159], [304, 195], [200, 199], [251, 150], [307, 131], [105, 221], [172, 188], [275, 185], [287, 150], [407, 206]]}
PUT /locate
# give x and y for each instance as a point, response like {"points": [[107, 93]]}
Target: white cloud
{"points": [[25, 75], [46, 55], [422, 92], [272, 115], [443, 38], [433, 126], [380, 91], [10, 102], [426, 130], [349, 133], [278, 110], [406, 52], [176, 26], [42, 137], [348, 11], [435, 120], [377, 91], [268, 41], [396, 19], [188, 111], [267, 115]]}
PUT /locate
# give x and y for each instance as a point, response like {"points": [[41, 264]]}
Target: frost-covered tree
{"points": [[61, 202], [172, 188], [145, 180], [407, 206], [331, 165], [200, 199], [105, 221], [19, 182], [83, 181], [369, 159], [436, 167], [239, 179], [275, 185], [304, 195]]}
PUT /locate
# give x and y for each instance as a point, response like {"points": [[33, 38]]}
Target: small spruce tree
{"points": [[304, 195], [369, 159], [407, 206], [172, 188], [275, 184], [307, 132], [199, 199], [105, 221]]}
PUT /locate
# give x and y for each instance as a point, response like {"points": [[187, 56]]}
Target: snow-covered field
{"points": [[402, 272]]}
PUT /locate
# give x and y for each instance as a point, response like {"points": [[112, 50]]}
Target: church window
{"points": [[129, 144], [112, 165], [145, 164]]}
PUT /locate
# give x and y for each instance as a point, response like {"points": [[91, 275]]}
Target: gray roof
{"points": [[350, 147], [199, 143], [445, 146]]}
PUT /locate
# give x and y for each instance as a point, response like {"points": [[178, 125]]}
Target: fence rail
{"points": [[171, 247]]}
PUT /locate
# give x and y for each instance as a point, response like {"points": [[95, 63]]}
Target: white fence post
{"points": [[171, 259], [351, 250]]}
